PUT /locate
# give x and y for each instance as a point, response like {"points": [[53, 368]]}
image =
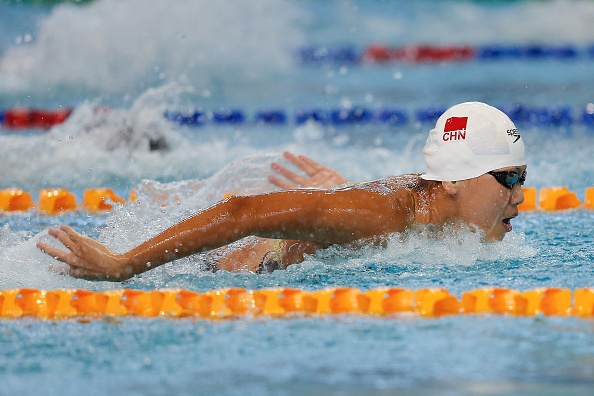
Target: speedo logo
{"points": [[455, 129], [514, 133]]}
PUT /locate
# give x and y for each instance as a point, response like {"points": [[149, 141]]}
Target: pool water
{"points": [[121, 65]]}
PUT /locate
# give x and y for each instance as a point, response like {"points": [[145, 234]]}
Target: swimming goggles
{"points": [[508, 178]]}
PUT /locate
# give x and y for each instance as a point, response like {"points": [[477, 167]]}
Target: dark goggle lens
{"points": [[509, 179]]}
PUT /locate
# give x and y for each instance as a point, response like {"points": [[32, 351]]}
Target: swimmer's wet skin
{"points": [[475, 161]]}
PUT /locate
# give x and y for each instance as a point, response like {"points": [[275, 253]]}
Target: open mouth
{"points": [[507, 224]]}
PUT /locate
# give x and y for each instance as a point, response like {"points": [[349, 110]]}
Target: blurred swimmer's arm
{"points": [[324, 216], [318, 176]]}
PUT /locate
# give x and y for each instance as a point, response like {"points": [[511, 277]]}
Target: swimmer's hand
{"points": [[87, 258], [318, 176]]}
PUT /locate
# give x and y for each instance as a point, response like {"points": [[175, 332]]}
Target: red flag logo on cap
{"points": [[455, 128]]}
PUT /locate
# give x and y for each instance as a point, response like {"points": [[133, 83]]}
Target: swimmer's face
{"points": [[490, 206]]}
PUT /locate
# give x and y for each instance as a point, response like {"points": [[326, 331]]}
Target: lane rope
{"points": [[537, 116], [54, 201], [282, 302], [374, 54]]}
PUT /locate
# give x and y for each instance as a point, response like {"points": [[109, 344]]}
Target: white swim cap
{"points": [[471, 139]]}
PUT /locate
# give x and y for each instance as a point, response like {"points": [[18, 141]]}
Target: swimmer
{"points": [[476, 164]]}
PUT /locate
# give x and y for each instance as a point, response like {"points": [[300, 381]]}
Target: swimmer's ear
{"points": [[450, 187]]}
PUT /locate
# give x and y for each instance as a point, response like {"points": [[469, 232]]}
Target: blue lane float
{"points": [[393, 116], [535, 116], [588, 115], [186, 117], [228, 116], [338, 54], [356, 115], [556, 116], [553, 116], [352, 116], [315, 115], [278, 117]]}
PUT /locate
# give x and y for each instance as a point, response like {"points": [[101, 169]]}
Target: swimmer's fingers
{"points": [[67, 258], [291, 179], [327, 178], [320, 176], [282, 183], [304, 163], [72, 235], [76, 268], [61, 255], [83, 250], [87, 258], [67, 236]]}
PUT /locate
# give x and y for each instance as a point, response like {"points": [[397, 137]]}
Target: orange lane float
{"points": [[555, 198], [589, 198], [56, 200], [494, 300], [558, 198], [529, 199], [278, 302], [583, 302], [15, 199], [100, 199]]}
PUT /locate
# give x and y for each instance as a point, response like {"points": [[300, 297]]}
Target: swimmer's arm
{"points": [[317, 175], [329, 217], [315, 215]]}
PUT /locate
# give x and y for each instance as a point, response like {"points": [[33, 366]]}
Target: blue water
{"points": [[140, 59]]}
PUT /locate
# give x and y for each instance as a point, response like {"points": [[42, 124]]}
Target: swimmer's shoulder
{"points": [[389, 184], [398, 184], [399, 194], [400, 189]]}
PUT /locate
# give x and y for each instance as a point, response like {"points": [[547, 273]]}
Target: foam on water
{"points": [[111, 146], [159, 206], [100, 146], [23, 265]]}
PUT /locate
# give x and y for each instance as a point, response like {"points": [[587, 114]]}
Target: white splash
{"points": [[123, 47]]}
